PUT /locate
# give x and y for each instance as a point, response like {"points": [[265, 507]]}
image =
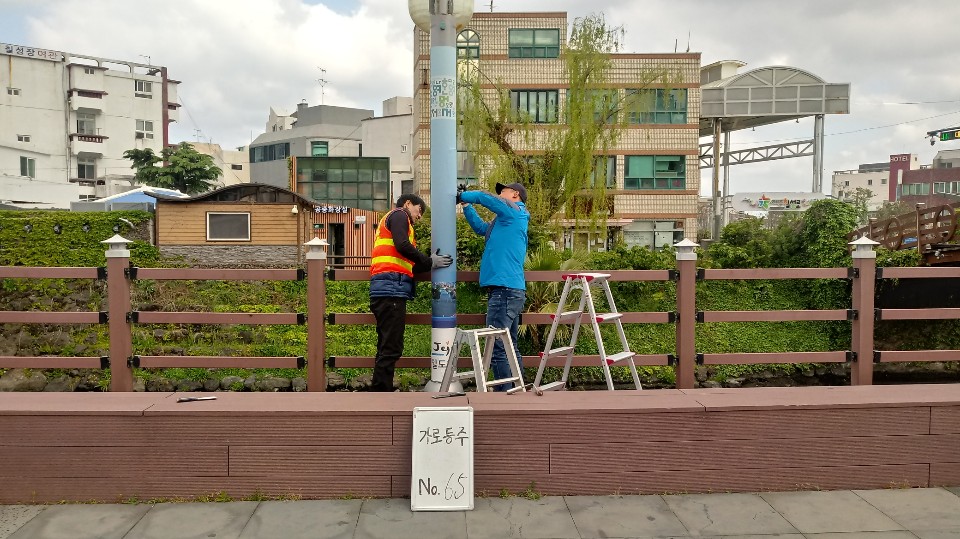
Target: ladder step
{"points": [[608, 317], [462, 375], [486, 331], [566, 317], [621, 356], [552, 386], [502, 381], [557, 351]]}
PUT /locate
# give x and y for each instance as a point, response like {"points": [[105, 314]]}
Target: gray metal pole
{"points": [[725, 215], [818, 154], [715, 225]]}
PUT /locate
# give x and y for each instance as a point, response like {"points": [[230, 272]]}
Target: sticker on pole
{"points": [[443, 97], [441, 477]]}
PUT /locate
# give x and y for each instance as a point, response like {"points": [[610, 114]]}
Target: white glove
{"points": [[440, 261]]}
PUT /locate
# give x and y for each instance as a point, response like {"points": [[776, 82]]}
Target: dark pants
{"points": [[391, 316]]}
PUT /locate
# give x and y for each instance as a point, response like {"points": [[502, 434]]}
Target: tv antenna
{"points": [[491, 6], [322, 81], [196, 134]]}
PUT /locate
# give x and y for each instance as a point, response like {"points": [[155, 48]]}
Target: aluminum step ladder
{"points": [[481, 363], [584, 282]]}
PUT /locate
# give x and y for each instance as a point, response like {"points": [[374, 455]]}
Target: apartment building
{"points": [[873, 177], [66, 119], [653, 173]]}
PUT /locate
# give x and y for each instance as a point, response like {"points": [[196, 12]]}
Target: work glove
{"points": [[459, 200], [460, 189], [440, 261]]}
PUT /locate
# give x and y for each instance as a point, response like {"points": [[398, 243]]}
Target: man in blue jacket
{"points": [[501, 266]]}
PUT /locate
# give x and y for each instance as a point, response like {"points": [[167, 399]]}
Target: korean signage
{"points": [[443, 91], [441, 476], [30, 52], [331, 209]]}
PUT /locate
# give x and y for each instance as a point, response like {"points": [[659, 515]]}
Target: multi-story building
{"points": [[341, 156], [933, 185], [873, 177], [66, 119], [234, 164], [653, 173]]}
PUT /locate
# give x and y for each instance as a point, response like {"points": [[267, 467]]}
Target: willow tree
{"points": [[557, 163]]}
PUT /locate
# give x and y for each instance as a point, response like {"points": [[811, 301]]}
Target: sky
{"points": [[237, 58]]}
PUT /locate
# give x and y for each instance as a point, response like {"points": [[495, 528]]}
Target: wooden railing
{"points": [[936, 225], [863, 276]]}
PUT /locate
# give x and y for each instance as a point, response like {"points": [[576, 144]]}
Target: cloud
{"points": [[236, 58]]}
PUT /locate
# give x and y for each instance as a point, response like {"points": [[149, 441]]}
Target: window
{"points": [[883, 181], [846, 183], [23, 138], [86, 169], [89, 70], [655, 172], [610, 164], [604, 105], [869, 182], [915, 189], [939, 187], [468, 45], [228, 226], [144, 129], [236, 167], [537, 106], [13, 91], [403, 148], [319, 148], [270, 152], [143, 88], [86, 123], [656, 106], [529, 43], [28, 167]]}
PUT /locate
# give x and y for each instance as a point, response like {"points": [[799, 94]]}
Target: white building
{"points": [[873, 177], [66, 119], [235, 164], [391, 136]]}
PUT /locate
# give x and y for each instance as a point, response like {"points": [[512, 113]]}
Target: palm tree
{"points": [[542, 297]]}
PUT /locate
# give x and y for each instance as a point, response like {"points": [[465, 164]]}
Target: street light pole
{"points": [[444, 18]]}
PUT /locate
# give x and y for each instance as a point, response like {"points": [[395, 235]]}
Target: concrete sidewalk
{"points": [[925, 513]]}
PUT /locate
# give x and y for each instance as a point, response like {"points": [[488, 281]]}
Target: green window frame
{"points": [[539, 106], [468, 45], [534, 43], [319, 148], [656, 106], [655, 172]]}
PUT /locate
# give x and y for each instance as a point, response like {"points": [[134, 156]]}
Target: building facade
{"points": [[653, 173], [66, 119], [937, 184], [873, 177], [234, 164]]}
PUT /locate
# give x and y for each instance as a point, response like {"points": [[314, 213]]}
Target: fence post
{"points": [[316, 314], [686, 314], [118, 305], [864, 286]]}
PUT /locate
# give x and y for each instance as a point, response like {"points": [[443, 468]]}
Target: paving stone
{"points": [[863, 535], [13, 517], [393, 518], [728, 514], [833, 511], [330, 519], [81, 521], [917, 508], [194, 521], [624, 516], [497, 518]]}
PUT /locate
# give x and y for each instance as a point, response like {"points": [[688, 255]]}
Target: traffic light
{"points": [[949, 135]]}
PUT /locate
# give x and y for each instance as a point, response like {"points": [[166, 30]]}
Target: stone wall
{"points": [[217, 256]]}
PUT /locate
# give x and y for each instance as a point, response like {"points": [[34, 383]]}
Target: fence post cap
{"points": [[316, 249], [685, 249]]}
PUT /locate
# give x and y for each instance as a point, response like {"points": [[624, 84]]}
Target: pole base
{"points": [[433, 386]]}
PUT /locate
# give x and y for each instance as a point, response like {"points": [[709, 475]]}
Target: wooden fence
{"points": [[120, 318]]}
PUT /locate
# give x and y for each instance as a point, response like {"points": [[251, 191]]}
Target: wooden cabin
{"points": [[259, 225]]}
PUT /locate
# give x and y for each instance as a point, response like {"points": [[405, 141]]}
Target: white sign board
{"points": [[441, 478]]}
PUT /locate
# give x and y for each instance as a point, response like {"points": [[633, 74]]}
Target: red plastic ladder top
{"points": [[585, 276]]}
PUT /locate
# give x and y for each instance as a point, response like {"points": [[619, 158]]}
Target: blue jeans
{"points": [[504, 306]]}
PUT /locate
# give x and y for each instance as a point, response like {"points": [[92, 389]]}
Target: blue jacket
{"points": [[506, 236]]}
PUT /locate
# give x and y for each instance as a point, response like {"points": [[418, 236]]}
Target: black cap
{"points": [[516, 187]]}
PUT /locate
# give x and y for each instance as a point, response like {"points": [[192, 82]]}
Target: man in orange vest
{"points": [[394, 260]]}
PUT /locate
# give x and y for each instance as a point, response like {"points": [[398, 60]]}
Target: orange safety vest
{"points": [[385, 257]]}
